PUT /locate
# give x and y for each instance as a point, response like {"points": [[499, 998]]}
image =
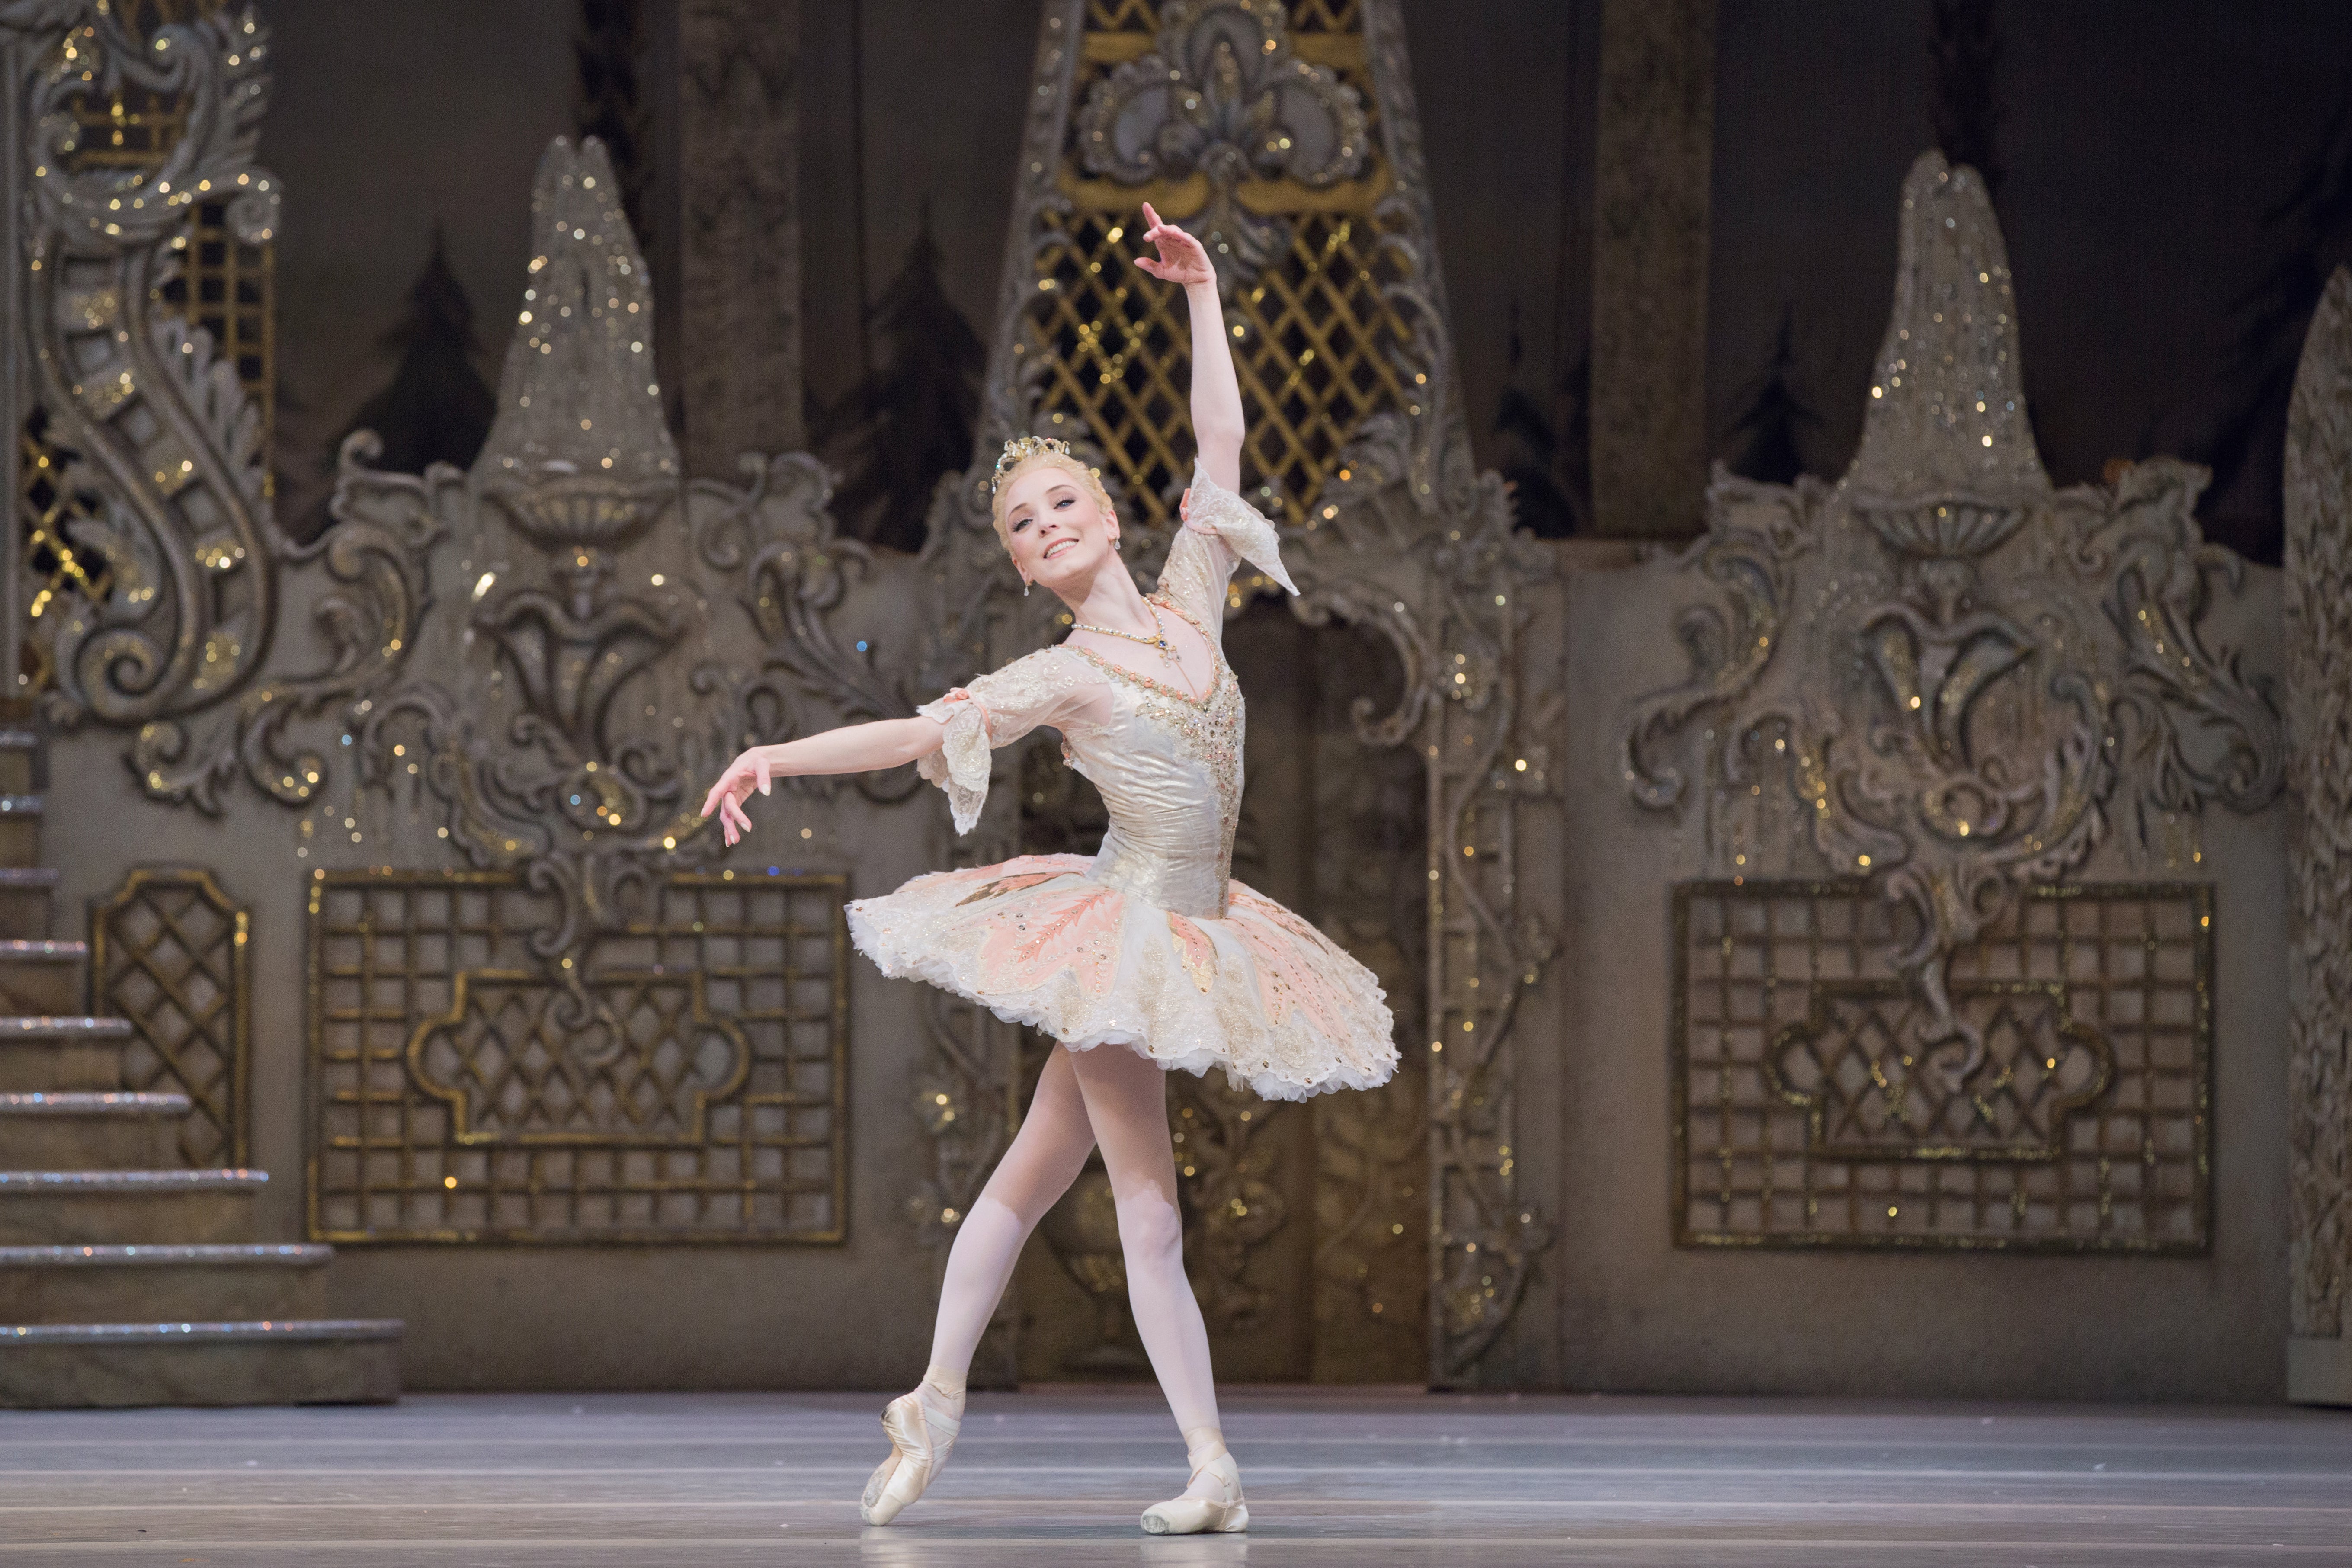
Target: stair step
{"points": [[84, 1132], [24, 895], [42, 977], [61, 1052], [201, 1282], [321, 1361], [18, 749], [20, 830], [93, 1207]]}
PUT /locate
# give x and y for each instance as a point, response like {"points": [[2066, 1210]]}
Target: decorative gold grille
{"points": [[1315, 335], [692, 1089], [52, 565], [1808, 1114], [229, 289], [168, 951]]}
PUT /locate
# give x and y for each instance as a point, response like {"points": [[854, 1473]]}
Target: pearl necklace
{"points": [[1159, 641]]}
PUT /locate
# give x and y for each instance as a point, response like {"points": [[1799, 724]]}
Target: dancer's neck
{"points": [[1112, 599]]}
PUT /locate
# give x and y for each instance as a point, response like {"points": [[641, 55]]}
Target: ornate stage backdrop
{"points": [[1950, 861], [1786, 935]]}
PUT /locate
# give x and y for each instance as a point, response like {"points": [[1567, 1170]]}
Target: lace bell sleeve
{"points": [[1048, 688], [1223, 529]]}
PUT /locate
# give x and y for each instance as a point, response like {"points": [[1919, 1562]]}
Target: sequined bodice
{"points": [[1168, 767], [1168, 764]]}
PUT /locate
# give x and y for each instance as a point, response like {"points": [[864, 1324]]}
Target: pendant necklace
{"points": [[1159, 640]]}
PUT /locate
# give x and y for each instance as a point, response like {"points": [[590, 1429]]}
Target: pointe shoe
{"points": [[1219, 1514], [919, 1437]]}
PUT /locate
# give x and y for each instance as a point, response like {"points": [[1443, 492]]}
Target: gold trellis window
{"points": [[223, 284], [1315, 334], [1806, 1113], [168, 953], [52, 565], [691, 1088]]}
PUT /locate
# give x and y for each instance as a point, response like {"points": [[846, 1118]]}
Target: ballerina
{"points": [[1148, 948]]}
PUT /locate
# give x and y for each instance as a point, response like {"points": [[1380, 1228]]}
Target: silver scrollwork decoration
{"points": [[1222, 97], [1950, 717], [160, 434]]}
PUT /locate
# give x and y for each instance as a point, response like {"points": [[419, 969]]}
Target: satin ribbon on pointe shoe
{"points": [[1219, 1514], [920, 1436]]}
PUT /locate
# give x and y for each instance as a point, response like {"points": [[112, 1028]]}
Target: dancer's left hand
{"points": [[744, 775], [1181, 261]]}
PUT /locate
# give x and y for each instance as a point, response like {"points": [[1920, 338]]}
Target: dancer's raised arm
{"points": [[1217, 428]]}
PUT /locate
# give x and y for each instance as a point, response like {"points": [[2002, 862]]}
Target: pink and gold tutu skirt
{"points": [[1260, 992]]}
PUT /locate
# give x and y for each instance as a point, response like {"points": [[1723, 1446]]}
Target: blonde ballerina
{"points": [[1143, 957]]}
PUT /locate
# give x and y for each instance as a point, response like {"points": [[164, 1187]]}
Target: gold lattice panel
{"points": [[168, 951], [693, 1090], [229, 289], [1808, 1114], [52, 566], [1314, 335]]}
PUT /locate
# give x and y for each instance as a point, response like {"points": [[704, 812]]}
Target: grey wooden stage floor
{"points": [[1354, 1479]]}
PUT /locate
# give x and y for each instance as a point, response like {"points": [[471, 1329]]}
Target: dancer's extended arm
{"points": [[1046, 687], [1217, 428], [852, 749]]}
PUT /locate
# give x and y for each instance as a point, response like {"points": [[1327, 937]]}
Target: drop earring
{"points": [[1114, 545], [1025, 588]]}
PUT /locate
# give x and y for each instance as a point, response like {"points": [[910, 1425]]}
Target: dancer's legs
{"points": [[1045, 1158], [1127, 1101]]}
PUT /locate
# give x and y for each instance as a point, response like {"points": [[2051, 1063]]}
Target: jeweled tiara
{"points": [[1019, 451]]}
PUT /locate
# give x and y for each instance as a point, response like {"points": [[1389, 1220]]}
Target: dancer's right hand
{"points": [[744, 775]]}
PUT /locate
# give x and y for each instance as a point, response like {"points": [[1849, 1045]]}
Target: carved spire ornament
{"points": [[541, 760], [1942, 675], [580, 453]]}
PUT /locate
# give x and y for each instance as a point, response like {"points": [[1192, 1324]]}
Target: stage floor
{"points": [[1362, 1479]]}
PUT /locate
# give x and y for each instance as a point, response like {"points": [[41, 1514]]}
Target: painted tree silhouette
{"points": [[1963, 105], [1768, 440], [908, 421], [436, 408], [606, 102], [2245, 444], [1544, 451]]}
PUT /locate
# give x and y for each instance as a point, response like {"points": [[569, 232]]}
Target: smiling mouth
{"points": [[1058, 546]]}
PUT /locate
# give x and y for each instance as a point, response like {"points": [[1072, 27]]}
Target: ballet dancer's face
{"points": [[1056, 527]]}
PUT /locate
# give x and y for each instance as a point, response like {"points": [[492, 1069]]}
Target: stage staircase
{"points": [[124, 1279]]}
